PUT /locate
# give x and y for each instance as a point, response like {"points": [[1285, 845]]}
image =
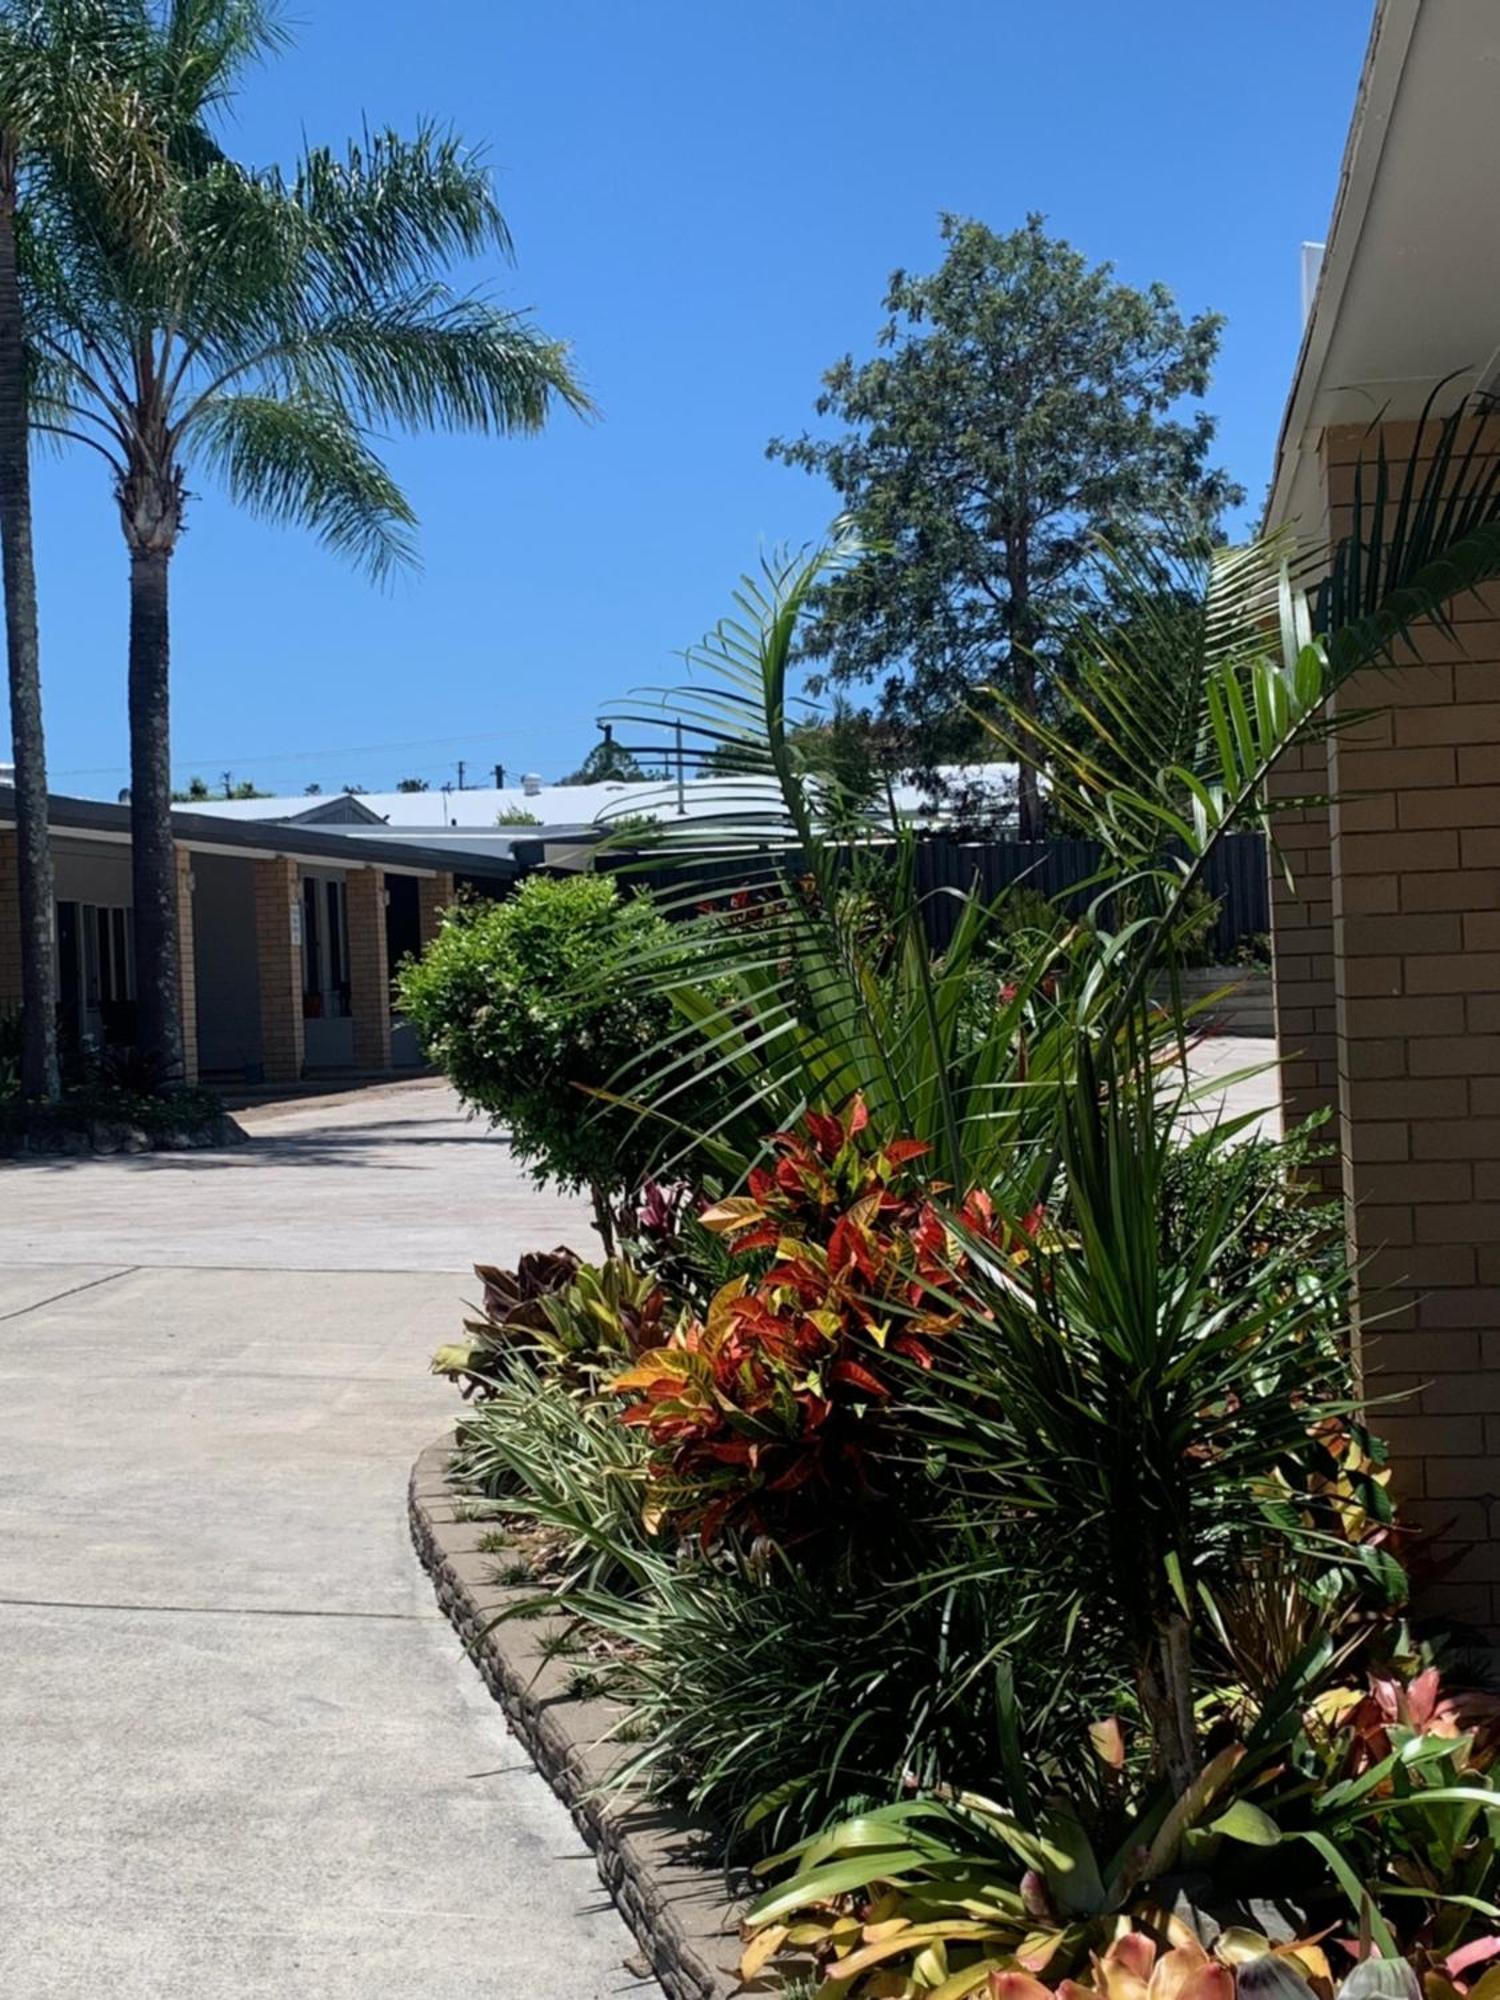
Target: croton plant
{"points": [[777, 1397]]}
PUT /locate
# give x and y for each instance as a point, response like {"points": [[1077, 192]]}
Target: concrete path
{"points": [[1233, 1077], [240, 1753]]}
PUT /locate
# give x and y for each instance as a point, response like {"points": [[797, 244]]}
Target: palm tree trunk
{"points": [[153, 860], [39, 1071], [1165, 1687]]}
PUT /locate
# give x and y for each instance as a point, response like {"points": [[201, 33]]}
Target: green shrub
{"points": [[515, 1003]]}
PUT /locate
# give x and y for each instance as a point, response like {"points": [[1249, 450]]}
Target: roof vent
{"points": [[531, 785]]}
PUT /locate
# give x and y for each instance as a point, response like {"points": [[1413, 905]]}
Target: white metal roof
{"points": [[563, 805]]}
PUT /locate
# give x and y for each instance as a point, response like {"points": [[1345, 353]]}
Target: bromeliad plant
{"points": [[947, 1896]]}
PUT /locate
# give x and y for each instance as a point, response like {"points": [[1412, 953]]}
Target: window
{"points": [[336, 976], [325, 948], [312, 953]]}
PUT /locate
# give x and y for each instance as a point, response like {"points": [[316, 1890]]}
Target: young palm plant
{"points": [[259, 324], [800, 968], [814, 977]]}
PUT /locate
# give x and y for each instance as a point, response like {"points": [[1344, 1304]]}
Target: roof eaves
{"points": [[1385, 59], [206, 830]]}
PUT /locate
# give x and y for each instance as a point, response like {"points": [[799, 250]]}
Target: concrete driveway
{"points": [[240, 1752]]}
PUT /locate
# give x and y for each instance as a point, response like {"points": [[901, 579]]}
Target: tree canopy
{"points": [[1022, 404], [607, 761]]}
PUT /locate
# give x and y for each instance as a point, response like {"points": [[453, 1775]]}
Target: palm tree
{"points": [[39, 1071], [54, 60], [259, 325]]}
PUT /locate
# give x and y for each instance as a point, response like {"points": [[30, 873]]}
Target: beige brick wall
{"points": [[1415, 851], [434, 894], [10, 924], [369, 969], [187, 971], [279, 961]]}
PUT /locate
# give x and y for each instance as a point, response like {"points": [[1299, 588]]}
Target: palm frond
{"points": [[428, 360], [1159, 766], [304, 463], [391, 210]]}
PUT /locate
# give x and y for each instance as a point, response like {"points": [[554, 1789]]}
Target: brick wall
{"points": [[279, 962], [1302, 950], [187, 970], [434, 894], [10, 924], [369, 969], [1415, 849]]}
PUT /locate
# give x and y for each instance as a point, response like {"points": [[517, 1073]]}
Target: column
{"points": [[369, 969], [1416, 924], [278, 943], [434, 894]]}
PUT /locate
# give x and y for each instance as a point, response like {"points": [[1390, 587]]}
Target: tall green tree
{"points": [[1021, 405], [608, 762], [261, 326]]}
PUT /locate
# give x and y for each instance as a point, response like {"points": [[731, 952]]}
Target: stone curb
{"points": [[681, 1912]]}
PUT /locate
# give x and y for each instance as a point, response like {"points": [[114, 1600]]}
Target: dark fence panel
{"points": [[1235, 879]]}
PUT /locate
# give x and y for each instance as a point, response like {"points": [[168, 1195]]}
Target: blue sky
{"points": [[707, 198]]}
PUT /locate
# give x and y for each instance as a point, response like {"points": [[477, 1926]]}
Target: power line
{"points": [[241, 759]]}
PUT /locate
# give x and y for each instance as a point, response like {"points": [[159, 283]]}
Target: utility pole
{"points": [[226, 778], [499, 777], [460, 774]]}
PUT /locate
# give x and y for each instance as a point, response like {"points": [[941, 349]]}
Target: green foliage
{"points": [[1136, 1390], [199, 788], [561, 1462], [788, 995], [412, 785], [518, 1004], [1021, 403], [516, 816], [1130, 1492], [607, 762], [629, 830], [116, 1088], [767, 1696], [1382, 1800], [10, 1055], [274, 323]]}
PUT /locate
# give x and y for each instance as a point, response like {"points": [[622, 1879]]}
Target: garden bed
{"points": [[70, 1132], [1241, 998], [681, 1910]]}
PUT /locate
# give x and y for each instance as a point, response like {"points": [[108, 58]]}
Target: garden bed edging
{"points": [[682, 1911]]}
